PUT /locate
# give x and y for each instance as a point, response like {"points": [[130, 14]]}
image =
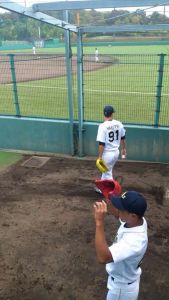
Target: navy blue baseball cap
{"points": [[108, 110], [130, 201]]}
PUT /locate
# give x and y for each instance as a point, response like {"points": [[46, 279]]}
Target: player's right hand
{"points": [[123, 153], [100, 209]]}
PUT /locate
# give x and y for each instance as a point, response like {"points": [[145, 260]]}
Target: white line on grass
{"points": [[87, 90]]}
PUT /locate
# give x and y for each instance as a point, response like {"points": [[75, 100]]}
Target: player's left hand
{"points": [[100, 209]]}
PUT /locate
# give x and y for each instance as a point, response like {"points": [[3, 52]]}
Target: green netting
{"points": [[41, 86], [128, 82], [7, 106], [164, 108]]}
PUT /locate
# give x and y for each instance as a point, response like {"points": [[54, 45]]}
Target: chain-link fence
{"points": [[35, 84], [136, 85]]}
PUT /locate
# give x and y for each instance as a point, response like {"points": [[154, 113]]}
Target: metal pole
{"points": [[80, 90], [159, 90], [69, 80], [39, 32], [15, 92]]}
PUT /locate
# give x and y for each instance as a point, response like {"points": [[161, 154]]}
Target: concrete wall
{"points": [[53, 136], [35, 135], [143, 143]]}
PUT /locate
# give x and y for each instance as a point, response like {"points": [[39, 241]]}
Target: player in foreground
{"points": [[123, 258], [110, 135]]}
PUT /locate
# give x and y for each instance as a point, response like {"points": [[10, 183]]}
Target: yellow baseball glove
{"points": [[100, 164]]}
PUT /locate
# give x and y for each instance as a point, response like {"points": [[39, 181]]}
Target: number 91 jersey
{"points": [[110, 133]]}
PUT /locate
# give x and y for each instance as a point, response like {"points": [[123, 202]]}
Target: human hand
{"points": [[123, 153], [100, 209]]}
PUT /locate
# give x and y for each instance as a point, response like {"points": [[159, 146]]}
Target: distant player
{"points": [[123, 258], [34, 50], [111, 134], [96, 55]]}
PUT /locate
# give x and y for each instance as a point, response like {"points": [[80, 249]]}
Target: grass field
{"points": [[130, 85], [131, 49], [8, 158]]}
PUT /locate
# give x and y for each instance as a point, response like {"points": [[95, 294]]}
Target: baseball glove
{"points": [[109, 187], [100, 164]]}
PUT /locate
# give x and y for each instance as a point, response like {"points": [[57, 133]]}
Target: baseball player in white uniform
{"points": [[34, 50], [123, 258], [96, 55], [111, 134]]}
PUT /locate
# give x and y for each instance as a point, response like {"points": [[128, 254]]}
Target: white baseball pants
{"points": [[124, 291], [110, 158]]}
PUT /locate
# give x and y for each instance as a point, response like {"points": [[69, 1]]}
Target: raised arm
{"points": [[102, 250]]}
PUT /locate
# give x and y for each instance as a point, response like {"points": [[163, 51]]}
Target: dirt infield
{"points": [[43, 66], [47, 230]]}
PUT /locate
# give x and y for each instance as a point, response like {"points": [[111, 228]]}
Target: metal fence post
{"points": [[80, 90], [15, 92], [159, 90], [69, 79]]}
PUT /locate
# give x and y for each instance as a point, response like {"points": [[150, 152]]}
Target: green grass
{"points": [[8, 158], [146, 49], [131, 49], [38, 51], [121, 87], [130, 85]]}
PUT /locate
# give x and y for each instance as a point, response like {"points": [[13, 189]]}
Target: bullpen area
{"points": [[47, 228]]}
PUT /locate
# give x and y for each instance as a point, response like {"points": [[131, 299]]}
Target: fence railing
{"points": [[33, 86], [136, 85]]}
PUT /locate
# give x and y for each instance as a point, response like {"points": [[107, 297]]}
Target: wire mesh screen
{"points": [[38, 85], [41, 85], [128, 82], [6, 89], [164, 105]]}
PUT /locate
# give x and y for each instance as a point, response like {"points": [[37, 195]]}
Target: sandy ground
{"points": [[33, 67], [47, 230]]}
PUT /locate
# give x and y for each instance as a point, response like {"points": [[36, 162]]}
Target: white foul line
{"points": [[87, 90]]}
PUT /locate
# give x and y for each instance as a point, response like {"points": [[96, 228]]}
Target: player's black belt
{"points": [[127, 283]]}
